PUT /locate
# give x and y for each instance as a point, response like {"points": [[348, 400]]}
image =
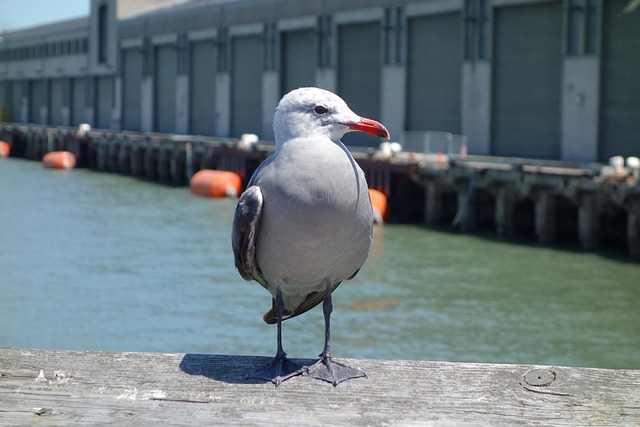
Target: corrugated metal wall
{"points": [[246, 85], [527, 73], [164, 88], [56, 98], [434, 73], [620, 98], [202, 91], [297, 59], [78, 100], [132, 89], [103, 101], [359, 74]]}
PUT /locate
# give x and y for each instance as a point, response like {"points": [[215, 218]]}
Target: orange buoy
{"points": [[214, 183], [380, 207], [59, 160], [5, 149]]}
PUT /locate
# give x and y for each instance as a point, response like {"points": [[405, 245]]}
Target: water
{"points": [[95, 261]]}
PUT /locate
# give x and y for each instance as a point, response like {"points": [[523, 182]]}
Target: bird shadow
{"points": [[228, 368]]}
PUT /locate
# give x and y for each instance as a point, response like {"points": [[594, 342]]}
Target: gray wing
{"points": [[246, 222]]}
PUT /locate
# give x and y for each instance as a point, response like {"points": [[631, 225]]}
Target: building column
{"points": [[476, 106], [326, 79], [146, 104], [393, 99], [270, 98], [223, 104], [579, 108], [116, 116], [182, 104], [66, 102]]}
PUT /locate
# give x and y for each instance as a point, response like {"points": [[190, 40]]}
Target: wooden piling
{"points": [[545, 216], [504, 211], [633, 227], [555, 200], [131, 389], [433, 203], [589, 221]]}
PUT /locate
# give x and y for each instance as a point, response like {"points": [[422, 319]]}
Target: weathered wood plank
{"points": [[71, 387]]}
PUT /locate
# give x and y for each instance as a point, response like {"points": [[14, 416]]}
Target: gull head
{"points": [[314, 112]]}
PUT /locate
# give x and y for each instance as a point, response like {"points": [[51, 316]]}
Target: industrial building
{"points": [[552, 79]]}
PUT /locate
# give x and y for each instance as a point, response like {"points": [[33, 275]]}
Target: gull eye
{"points": [[320, 109]]}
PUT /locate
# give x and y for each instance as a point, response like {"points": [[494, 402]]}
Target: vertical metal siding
{"points": [[359, 74], [132, 89], [103, 101], [165, 68], [78, 101], [246, 86], [202, 108], [620, 99], [434, 74], [55, 102], [527, 72], [297, 59]]}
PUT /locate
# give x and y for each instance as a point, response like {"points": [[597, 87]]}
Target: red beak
{"points": [[369, 126]]}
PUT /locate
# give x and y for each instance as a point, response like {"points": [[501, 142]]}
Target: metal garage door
{"points": [[359, 74], [434, 74], [78, 101], [35, 101], [246, 86], [132, 89], [4, 93], [527, 80], [202, 106], [16, 101], [298, 60], [103, 101], [56, 98], [164, 88], [620, 102]]}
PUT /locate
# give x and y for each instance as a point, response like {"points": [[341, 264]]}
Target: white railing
{"points": [[430, 142]]}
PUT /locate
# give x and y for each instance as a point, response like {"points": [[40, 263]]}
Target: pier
{"points": [[592, 204], [57, 387]]}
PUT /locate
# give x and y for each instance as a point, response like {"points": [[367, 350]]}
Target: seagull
{"points": [[305, 222]]}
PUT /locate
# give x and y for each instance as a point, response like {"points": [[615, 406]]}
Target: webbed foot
{"points": [[279, 369], [326, 369]]}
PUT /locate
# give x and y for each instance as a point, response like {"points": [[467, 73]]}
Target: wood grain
{"points": [[46, 387]]}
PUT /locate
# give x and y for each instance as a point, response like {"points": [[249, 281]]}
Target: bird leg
{"points": [[326, 369], [280, 368]]}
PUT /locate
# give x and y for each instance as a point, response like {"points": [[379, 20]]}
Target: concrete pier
{"points": [[592, 204]]}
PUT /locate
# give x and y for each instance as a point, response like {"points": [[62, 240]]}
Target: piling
{"points": [[595, 205]]}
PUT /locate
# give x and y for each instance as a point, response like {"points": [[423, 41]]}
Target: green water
{"points": [[104, 262]]}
